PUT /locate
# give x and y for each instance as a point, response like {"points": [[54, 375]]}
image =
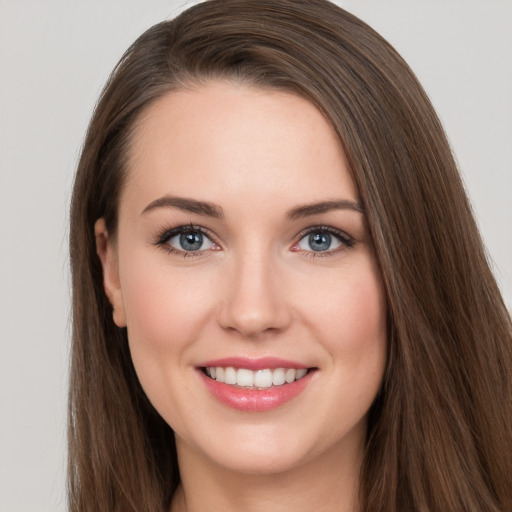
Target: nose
{"points": [[254, 301]]}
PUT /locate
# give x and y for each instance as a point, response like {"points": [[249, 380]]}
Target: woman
{"points": [[280, 295]]}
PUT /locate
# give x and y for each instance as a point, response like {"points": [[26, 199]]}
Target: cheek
{"points": [[362, 324], [357, 343], [165, 306], [166, 309], [347, 313], [348, 305], [362, 344], [361, 316]]}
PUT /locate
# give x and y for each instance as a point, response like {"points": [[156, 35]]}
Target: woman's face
{"points": [[242, 253]]}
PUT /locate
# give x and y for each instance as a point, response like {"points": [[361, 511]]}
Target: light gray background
{"points": [[54, 58]]}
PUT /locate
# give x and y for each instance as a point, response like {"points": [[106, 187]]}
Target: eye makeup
{"points": [[321, 240], [196, 241]]}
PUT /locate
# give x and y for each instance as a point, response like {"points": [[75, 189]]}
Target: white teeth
{"points": [[262, 379], [245, 378], [290, 375], [278, 377], [230, 375], [300, 373]]}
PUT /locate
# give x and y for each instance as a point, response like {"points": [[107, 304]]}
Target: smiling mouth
{"points": [[259, 379]]}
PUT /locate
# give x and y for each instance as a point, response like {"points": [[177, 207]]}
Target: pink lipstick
{"points": [[254, 385]]}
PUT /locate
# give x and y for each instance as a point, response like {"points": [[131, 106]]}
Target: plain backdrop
{"points": [[54, 58]]}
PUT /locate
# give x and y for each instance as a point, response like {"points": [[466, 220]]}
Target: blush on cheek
{"points": [[355, 324], [367, 311], [355, 305], [164, 306]]}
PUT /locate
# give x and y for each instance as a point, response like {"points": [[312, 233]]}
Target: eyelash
{"points": [[163, 237], [346, 241]]}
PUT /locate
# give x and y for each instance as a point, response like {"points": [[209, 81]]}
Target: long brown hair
{"points": [[439, 435]]}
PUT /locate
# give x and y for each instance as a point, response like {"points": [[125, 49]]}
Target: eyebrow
{"points": [[186, 204], [212, 210], [323, 207]]}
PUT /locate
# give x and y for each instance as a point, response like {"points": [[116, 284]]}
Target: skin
{"points": [[259, 289]]}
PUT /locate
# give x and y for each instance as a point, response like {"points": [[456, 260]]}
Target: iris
{"points": [[191, 241], [319, 241]]}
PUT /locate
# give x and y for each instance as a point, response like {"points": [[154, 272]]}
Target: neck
{"points": [[328, 482]]}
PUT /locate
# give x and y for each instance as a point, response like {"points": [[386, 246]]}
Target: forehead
{"points": [[222, 141]]}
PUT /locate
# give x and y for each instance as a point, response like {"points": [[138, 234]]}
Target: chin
{"points": [[261, 461], [260, 450]]}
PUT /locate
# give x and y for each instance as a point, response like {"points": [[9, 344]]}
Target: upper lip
{"points": [[261, 363]]}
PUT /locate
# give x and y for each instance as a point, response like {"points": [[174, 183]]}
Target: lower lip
{"points": [[255, 400]]}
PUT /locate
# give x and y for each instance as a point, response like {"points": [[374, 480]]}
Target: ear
{"points": [[107, 252]]}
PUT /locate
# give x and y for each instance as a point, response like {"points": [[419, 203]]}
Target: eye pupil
{"points": [[320, 241], [191, 241]]}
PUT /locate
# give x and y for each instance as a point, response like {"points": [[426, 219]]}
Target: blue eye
{"points": [[319, 241], [185, 240], [323, 240], [191, 240]]}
